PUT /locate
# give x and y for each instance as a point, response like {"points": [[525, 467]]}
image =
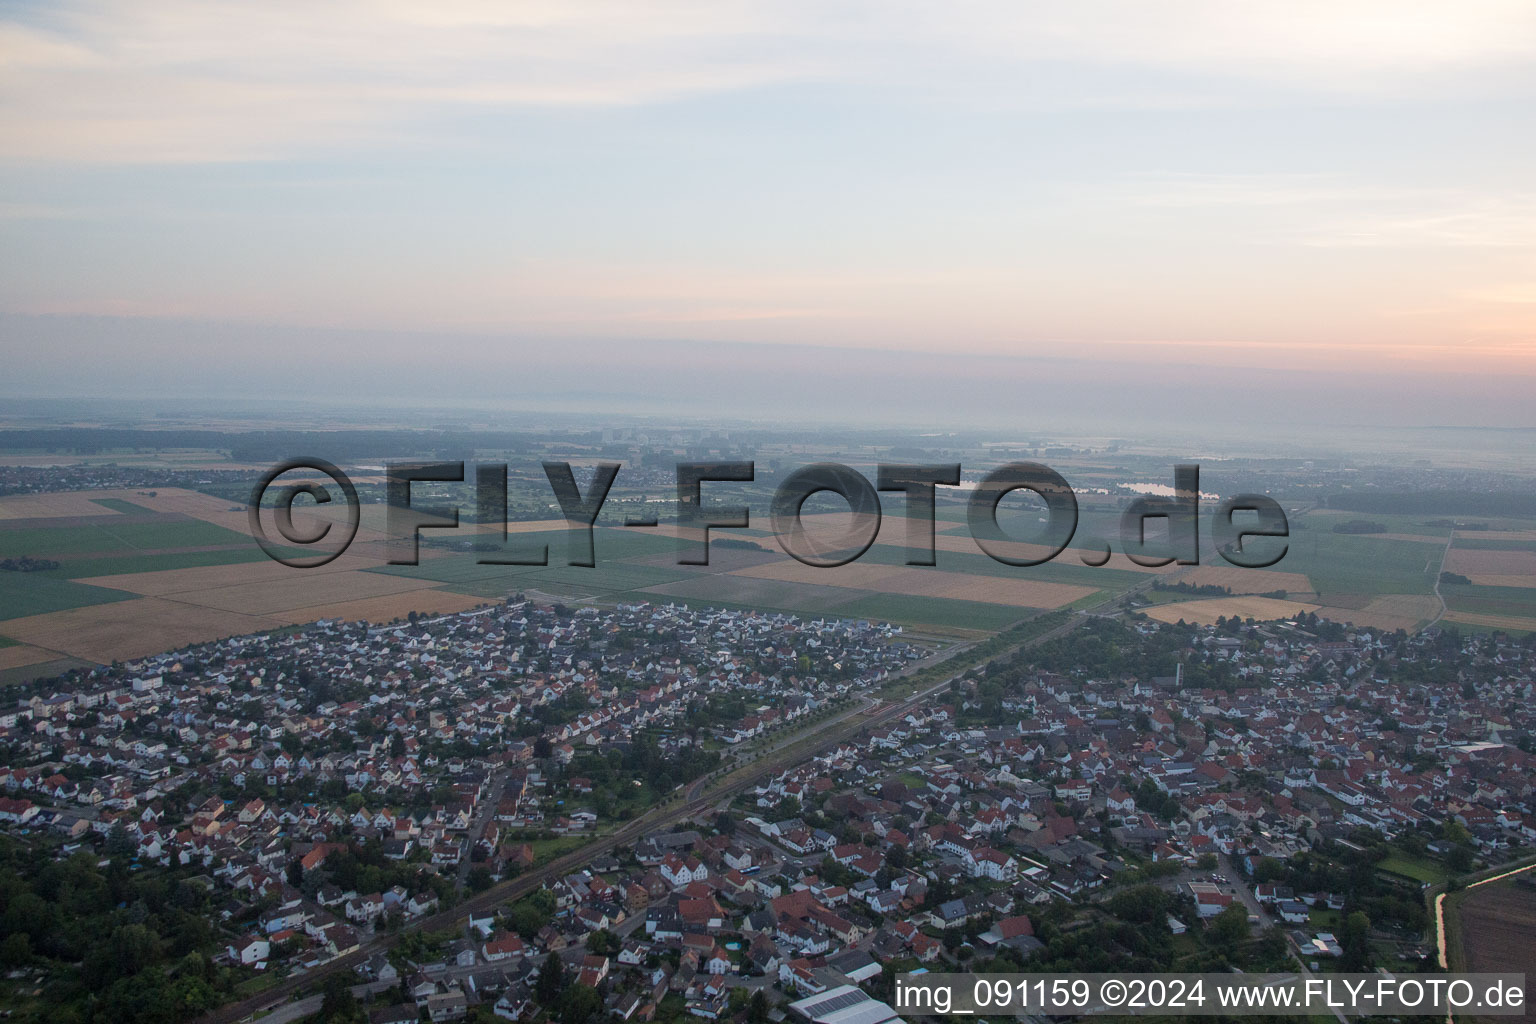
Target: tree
{"points": [[1459, 859], [1229, 927], [480, 878], [551, 980], [339, 1006], [1354, 937], [579, 1003], [533, 912], [1140, 904], [1268, 869], [16, 950], [1454, 831], [119, 845]]}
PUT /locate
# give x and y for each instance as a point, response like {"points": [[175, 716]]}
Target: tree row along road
{"points": [[822, 736]]}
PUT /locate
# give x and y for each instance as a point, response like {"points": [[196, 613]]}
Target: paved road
{"points": [[301, 1008], [483, 812], [1244, 892], [828, 734]]}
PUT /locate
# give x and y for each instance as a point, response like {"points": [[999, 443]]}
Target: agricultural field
{"points": [[749, 570], [1497, 926], [1206, 611], [145, 570], [1494, 582], [1350, 565], [141, 572], [921, 581]]}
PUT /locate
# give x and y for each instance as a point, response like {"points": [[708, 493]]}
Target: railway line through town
{"points": [[698, 798]]}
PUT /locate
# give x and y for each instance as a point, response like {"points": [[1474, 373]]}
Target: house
{"points": [[516, 1003], [1209, 904], [592, 971], [1008, 928], [450, 1005], [1293, 911], [679, 871], [250, 951], [505, 948]]}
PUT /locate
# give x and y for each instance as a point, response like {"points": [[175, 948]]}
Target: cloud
{"points": [[1323, 211], [177, 81]]}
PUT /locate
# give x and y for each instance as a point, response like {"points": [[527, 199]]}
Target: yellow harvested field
{"points": [[132, 629], [380, 610], [1246, 581], [200, 578], [57, 505], [300, 591], [1391, 612], [1495, 579], [1207, 612], [1468, 561], [861, 575], [1499, 534], [917, 581], [1414, 538], [538, 526], [22, 655]]}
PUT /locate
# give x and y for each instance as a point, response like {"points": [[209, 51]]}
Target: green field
{"points": [[546, 850], [31, 593], [107, 537], [630, 561], [108, 565], [933, 611], [1064, 568], [1420, 869], [1341, 563], [1324, 920], [572, 580], [125, 507], [1519, 601]]}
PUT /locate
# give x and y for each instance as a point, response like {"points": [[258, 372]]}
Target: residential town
{"points": [[328, 788]]}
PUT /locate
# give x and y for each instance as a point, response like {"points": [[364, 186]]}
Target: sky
{"points": [[1314, 208]]}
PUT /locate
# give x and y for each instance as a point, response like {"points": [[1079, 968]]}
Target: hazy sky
{"points": [[1340, 193]]}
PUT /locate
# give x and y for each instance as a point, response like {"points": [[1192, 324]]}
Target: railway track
{"points": [[699, 798]]}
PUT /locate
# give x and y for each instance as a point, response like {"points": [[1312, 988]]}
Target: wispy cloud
{"points": [[180, 81], [1326, 211]]}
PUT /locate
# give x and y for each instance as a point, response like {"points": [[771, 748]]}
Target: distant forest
{"points": [[1441, 502], [1360, 526]]}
